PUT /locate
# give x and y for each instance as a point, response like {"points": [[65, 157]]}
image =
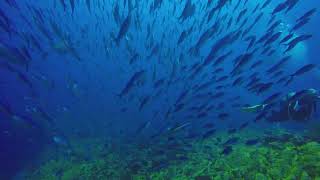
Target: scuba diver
{"points": [[295, 106]]}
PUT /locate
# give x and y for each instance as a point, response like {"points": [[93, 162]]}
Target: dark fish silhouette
{"points": [[304, 70], [125, 26], [131, 83], [293, 43]]}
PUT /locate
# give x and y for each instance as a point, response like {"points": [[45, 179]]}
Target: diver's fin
{"points": [[255, 108]]}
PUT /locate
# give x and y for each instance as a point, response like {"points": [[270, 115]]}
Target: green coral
{"points": [[310, 159], [51, 170], [95, 170], [71, 171], [274, 160]]}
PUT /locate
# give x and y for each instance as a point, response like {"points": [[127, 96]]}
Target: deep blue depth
{"points": [[65, 70]]}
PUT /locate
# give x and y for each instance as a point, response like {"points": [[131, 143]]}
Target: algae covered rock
{"points": [[260, 176], [305, 176], [310, 158], [51, 170], [286, 161], [203, 178]]}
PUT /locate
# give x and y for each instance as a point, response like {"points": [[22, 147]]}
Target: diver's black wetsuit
{"points": [[307, 107]]}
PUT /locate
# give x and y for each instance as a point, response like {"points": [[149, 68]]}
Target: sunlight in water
{"points": [[299, 54]]}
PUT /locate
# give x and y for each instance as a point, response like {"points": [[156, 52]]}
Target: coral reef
{"points": [[270, 159]]}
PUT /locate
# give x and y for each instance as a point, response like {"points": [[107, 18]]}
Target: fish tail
{"points": [[290, 79], [292, 76], [287, 50], [194, 51]]}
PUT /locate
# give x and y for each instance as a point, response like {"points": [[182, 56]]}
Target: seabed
{"points": [[278, 155]]}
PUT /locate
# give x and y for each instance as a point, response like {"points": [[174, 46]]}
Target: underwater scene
{"points": [[159, 90]]}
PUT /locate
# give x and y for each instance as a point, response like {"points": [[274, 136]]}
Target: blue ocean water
{"points": [[135, 71]]}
